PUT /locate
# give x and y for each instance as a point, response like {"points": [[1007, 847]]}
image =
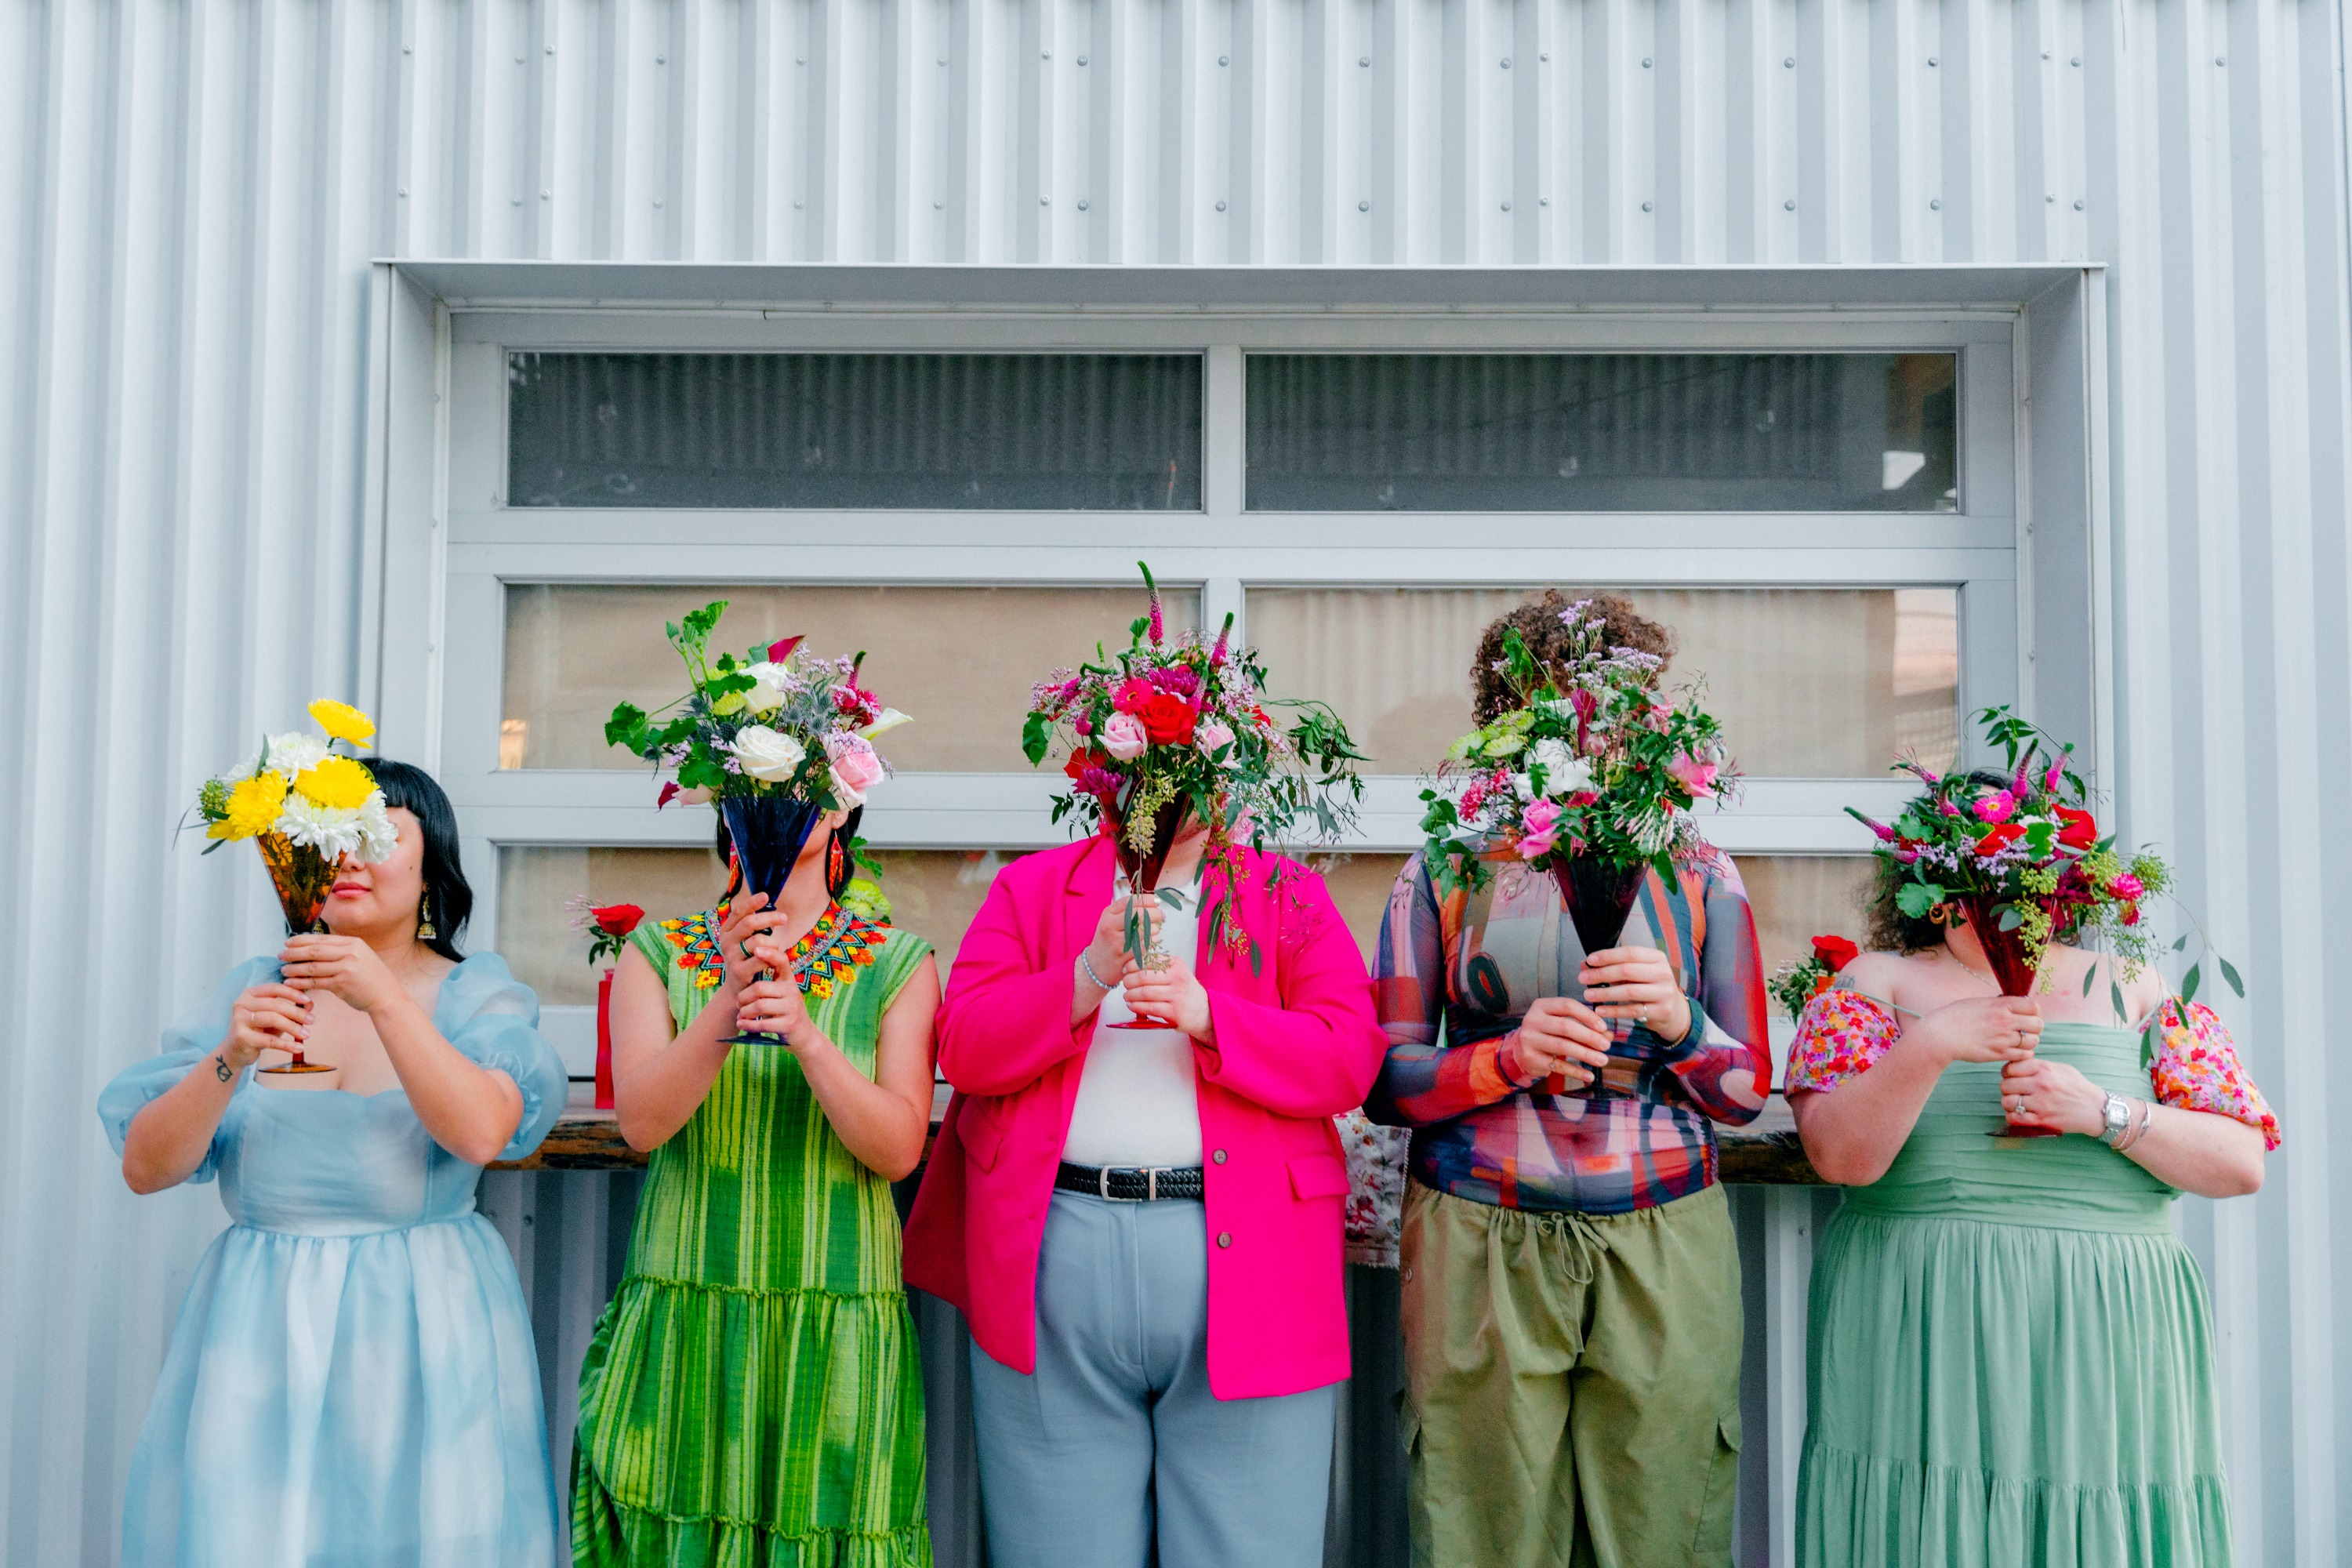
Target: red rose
{"points": [[1835, 951], [1999, 837], [2080, 831], [617, 920], [1080, 762], [1168, 719]]}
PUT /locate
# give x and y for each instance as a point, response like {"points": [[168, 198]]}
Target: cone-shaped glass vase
{"points": [[2005, 950], [769, 832], [303, 879]]}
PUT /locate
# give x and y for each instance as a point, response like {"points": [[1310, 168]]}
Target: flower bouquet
{"points": [[1800, 980], [607, 927], [305, 806], [2024, 861], [1177, 724], [775, 738], [1592, 778]]}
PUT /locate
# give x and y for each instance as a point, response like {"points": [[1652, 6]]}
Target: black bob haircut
{"points": [[448, 901], [724, 842]]}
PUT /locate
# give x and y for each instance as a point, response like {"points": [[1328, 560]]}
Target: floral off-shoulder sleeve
{"points": [[1839, 1034], [2197, 1068]]}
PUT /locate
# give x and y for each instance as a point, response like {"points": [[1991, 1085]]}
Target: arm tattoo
{"points": [[221, 1069]]}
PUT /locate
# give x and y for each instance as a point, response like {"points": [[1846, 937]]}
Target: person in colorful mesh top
{"points": [[1570, 1282]]}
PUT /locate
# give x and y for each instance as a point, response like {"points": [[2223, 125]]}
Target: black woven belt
{"points": [[1129, 1186]]}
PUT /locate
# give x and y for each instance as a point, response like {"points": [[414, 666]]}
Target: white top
{"points": [[1137, 1102]]}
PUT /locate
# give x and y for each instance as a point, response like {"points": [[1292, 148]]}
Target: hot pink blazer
{"points": [[1297, 1043]]}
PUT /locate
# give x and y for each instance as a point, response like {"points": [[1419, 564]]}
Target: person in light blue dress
{"points": [[352, 1379]]}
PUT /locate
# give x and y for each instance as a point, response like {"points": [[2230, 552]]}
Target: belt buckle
{"points": [[1102, 1183]]}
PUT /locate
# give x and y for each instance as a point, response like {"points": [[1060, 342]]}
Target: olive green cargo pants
{"points": [[1572, 1384]]}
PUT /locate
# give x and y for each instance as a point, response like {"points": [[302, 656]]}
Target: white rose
{"points": [[1565, 772], [769, 694], [766, 755]]}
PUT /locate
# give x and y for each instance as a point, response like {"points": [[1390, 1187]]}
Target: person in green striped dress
{"points": [[752, 1394]]}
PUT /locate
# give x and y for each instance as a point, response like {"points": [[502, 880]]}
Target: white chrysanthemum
{"points": [[293, 753], [333, 831], [378, 837]]}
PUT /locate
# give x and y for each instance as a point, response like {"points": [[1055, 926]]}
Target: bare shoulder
{"points": [[1876, 974]]}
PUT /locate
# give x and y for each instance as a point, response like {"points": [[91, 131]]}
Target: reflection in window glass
{"points": [[535, 935], [1796, 897], [933, 893], [1599, 432], [961, 660], [1810, 683], [1060, 431]]}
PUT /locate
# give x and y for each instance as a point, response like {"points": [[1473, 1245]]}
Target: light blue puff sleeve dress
{"points": [[352, 1379]]}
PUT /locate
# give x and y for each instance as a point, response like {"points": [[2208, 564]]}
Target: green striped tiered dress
{"points": [[753, 1397]]}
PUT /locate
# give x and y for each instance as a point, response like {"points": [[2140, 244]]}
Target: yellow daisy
{"points": [[341, 721], [253, 807], [337, 781]]}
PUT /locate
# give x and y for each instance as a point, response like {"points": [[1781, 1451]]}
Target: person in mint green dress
{"points": [[752, 1394], [2011, 1356]]}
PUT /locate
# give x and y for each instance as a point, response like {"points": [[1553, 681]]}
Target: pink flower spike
{"points": [[782, 648], [1885, 834], [2057, 771]]}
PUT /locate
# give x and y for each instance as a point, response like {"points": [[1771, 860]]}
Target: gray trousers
{"points": [[1117, 1438]]}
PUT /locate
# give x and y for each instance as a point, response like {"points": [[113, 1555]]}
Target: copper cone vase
{"points": [[303, 879]]}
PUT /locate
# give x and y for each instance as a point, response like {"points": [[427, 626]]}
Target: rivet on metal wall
{"points": [[1223, 60], [1931, 60], [404, 190], [936, 203], [1507, 207], [1045, 201], [2078, 205], [657, 201], [2220, 59], [518, 59], [943, 59], [1645, 206], [1044, 53], [1646, 62], [2075, 62], [1934, 205], [1221, 207], [551, 48], [1363, 206], [411, 48], [2046, 53], [1791, 62], [1790, 205], [546, 195], [2049, 195], [661, 60], [1082, 204], [1544, 59], [1082, 59], [1543, 201], [1506, 62], [514, 201], [796, 203]]}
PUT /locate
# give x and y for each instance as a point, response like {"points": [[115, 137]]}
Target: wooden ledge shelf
{"points": [[1764, 1152]]}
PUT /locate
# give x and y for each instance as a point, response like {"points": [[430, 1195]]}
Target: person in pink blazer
{"points": [[1143, 1225]]}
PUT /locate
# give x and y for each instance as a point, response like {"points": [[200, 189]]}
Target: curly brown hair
{"points": [[1539, 624], [1886, 927]]}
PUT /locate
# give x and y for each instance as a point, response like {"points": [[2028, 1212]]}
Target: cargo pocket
{"points": [[1718, 1513]]}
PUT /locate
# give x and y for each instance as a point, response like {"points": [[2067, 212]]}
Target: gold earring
{"points": [[424, 931]]}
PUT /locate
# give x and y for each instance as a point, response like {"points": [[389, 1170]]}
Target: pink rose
{"points": [[1210, 734], [1538, 829], [856, 767], [1123, 737], [1696, 776]]}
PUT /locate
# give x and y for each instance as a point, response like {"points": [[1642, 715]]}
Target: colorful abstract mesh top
{"points": [[1487, 1129], [2195, 1066]]}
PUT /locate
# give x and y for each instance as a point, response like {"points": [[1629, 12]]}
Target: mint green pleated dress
{"points": [[2011, 1355], [752, 1395]]}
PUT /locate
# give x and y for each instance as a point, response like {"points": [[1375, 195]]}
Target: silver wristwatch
{"points": [[2118, 1120]]}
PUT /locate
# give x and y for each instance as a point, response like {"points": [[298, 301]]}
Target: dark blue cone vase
{"points": [[769, 831]]}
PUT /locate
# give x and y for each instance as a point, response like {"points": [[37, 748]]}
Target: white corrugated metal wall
{"points": [[190, 191]]}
